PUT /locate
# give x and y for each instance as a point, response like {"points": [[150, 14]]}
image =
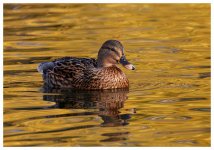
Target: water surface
{"points": [[167, 104]]}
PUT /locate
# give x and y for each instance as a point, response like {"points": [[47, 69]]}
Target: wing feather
{"points": [[68, 71]]}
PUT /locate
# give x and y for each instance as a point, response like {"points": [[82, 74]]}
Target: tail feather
{"points": [[43, 67]]}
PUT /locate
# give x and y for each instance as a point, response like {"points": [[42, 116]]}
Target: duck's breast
{"points": [[105, 78]]}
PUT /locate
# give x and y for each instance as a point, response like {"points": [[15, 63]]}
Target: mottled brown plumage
{"points": [[88, 73]]}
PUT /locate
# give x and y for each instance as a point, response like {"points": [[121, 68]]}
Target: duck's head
{"points": [[112, 53]]}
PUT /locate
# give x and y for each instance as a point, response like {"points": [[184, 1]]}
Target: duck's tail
{"points": [[43, 67]]}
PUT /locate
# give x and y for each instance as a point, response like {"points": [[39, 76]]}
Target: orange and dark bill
{"points": [[126, 64]]}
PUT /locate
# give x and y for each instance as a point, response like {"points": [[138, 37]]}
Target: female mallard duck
{"points": [[88, 73]]}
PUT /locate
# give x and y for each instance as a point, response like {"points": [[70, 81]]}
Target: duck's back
{"points": [[66, 72]]}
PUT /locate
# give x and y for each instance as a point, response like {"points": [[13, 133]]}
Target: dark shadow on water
{"points": [[107, 102]]}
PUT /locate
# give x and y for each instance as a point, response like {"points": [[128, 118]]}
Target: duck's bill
{"points": [[126, 64]]}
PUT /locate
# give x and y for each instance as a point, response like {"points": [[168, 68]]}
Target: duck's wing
{"points": [[75, 62], [67, 71]]}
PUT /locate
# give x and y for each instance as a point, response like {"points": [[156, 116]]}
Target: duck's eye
{"points": [[112, 49], [115, 51]]}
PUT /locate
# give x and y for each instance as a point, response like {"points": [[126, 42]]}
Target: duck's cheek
{"points": [[112, 60]]}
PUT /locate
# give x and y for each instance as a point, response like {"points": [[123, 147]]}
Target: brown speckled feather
{"points": [[88, 73], [82, 73]]}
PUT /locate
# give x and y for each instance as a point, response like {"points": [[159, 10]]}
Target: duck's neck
{"points": [[101, 64], [103, 60], [113, 71]]}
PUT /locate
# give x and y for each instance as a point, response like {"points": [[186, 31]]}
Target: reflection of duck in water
{"points": [[88, 73], [107, 101]]}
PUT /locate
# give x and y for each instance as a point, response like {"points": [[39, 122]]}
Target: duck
{"points": [[89, 73]]}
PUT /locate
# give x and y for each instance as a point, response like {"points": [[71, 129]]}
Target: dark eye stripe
{"points": [[112, 49]]}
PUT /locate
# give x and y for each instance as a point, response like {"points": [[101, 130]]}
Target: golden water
{"points": [[168, 103]]}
